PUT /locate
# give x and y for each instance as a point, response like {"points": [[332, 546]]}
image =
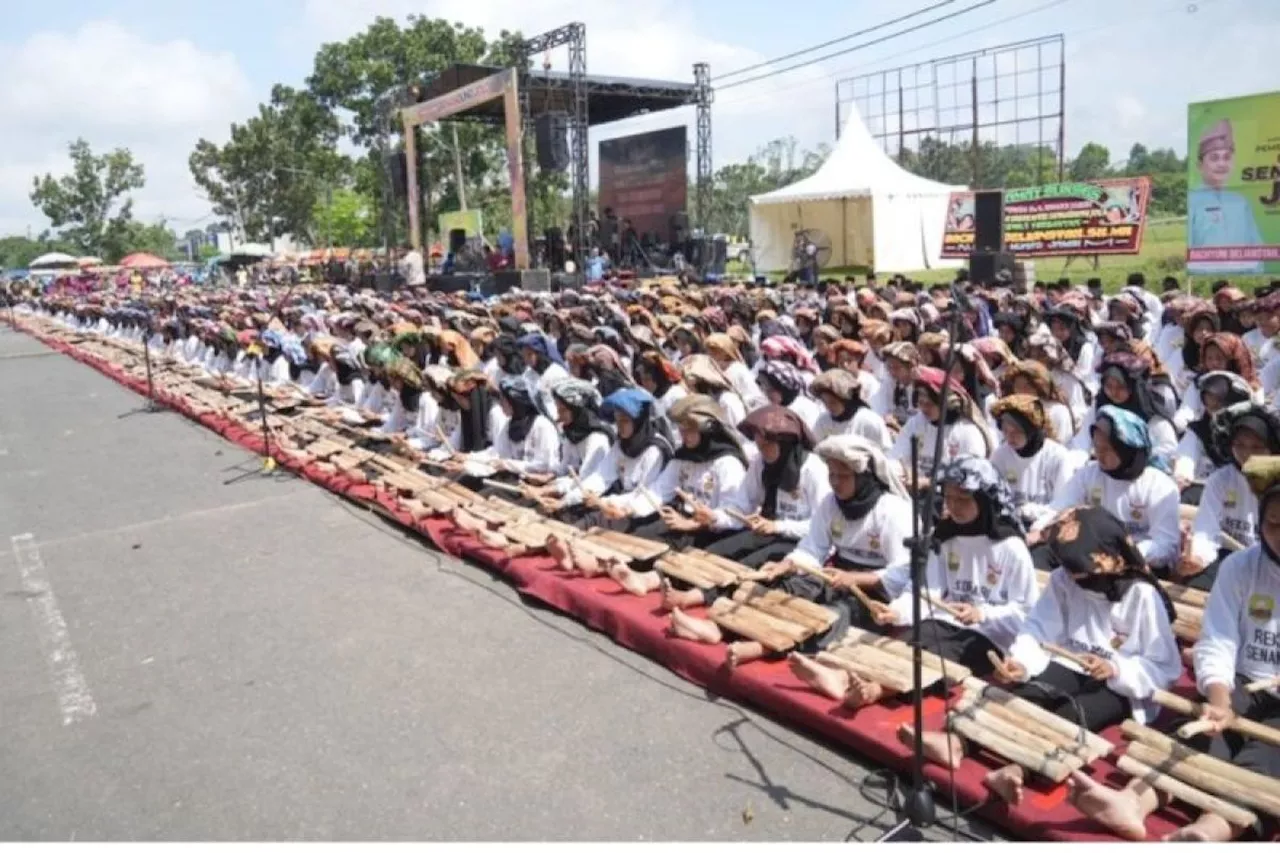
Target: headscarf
{"points": [[1190, 349], [605, 366], [997, 512], [458, 348], [404, 371], [1239, 359], [1028, 413], [1232, 390], [1015, 323], [723, 346], [842, 385], [1129, 436], [661, 370], [545, 348], [1043, 341], [524, 410], [1039, 378], [716, 438], [637, 404], [1091, 546], [789, 350], [959, 403], [704, 376], [507, 352], [1244, 416], [584, 400], [783, 426], [1135, 373], [783, 377], [473, 384], [868, 462]]}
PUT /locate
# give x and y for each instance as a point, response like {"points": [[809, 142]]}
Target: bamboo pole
{"points": [[1189, 708], [1208, 774], [992, 693], [1267, 789], [1192, 796], [934, 601], [1262, 684], [996, 741], [503, 487], [954, 671], [1029, 747], [1067, 654], [895, 680], [1009, 716]]}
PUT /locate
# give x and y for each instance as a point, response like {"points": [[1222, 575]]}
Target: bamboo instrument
{"points": [[1189, 708], [891, 677], [1067, 654], [933, 601], [885, 660], [1262, 684], [638, 548], [1192, 796], [774, 634], [990, 693], [1008, 717], [777, 603], [1016, 744], [953, 671]]}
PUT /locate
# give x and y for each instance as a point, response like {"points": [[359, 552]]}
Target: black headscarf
{"points": [[783, 426], [586, 420], [1136, 376], [1076, 337], [1191, 349], [475, 420], [410, 397], [1018, 325], [716, 441], [1243, 416], [524, 411], [507, 351], [1035, 435], [867, 491], [1082, 537]]}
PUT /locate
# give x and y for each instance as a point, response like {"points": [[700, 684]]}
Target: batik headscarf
{"points": [[404, 371], [346, 363], [844, 351], [1135, 373], [959, 404], [779, 348], [1043, 343], [637, 404], [1247, 416], [903, 352], [605, 367], [1017, 326], [723, 347], [1133, 309], [978, 380], [1091, 546], [658, 369], [545, 348], [997, 511], [704, 376], [524, 409], [910, 318], [1239, 359], [868, 462], [842, 385], [1118, 332], [784, 427], [1076, 336], [1029, 414], [782, 377], [717, 439], [458, 349], [1202, 313], [474, 386], [583, 400], [507, 353], [1229, 390], [1129, 436]]}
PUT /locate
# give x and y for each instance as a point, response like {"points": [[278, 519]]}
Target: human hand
{"points": [[702, 516], [882, 614], [1219, 717], [1188, 567], [762, 526], [1098, 667], [614, 511], [538, 479], [1007, 670], [966, 614]]}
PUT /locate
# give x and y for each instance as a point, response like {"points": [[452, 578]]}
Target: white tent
{"points": [[876, 213], [51, 260]]}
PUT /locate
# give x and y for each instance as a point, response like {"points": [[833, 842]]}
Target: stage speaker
{"points": [[394, 164], [551, 135], [988, 221], [719, 254], [985, 266], [555, 248]]}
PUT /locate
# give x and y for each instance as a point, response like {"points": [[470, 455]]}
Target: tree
{"points": [[1091, 163], [17, 251], [345, 219], [156, 239], [91, 204]]}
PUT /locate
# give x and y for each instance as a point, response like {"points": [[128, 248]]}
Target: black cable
{"points": [[820, 46], [870, 43]]}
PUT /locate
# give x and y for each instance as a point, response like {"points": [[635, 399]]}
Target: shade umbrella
{"points": [[89, 261], [142, 260], [53, 260], [251, 250]]}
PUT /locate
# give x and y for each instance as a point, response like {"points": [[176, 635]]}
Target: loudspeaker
{"points": [[394, 164], [551, 135], [985, 266], [988, 221], [555, 248]]}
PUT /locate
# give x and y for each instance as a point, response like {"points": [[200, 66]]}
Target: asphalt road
{"points": [[182, 659]]}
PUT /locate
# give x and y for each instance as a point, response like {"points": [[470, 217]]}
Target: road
{"points": [[183, 659]]}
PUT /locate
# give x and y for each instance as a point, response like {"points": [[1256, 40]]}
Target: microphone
{"points": [[961, 299]]}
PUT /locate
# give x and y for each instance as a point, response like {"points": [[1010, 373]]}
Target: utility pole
{"points": [[457, 167]]}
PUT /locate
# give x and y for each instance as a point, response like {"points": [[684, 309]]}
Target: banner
{"points": [[1104, 217], [1233, 185], [645, 179], [470, 221]]}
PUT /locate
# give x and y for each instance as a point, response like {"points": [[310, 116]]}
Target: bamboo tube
{"points": [[1193, 728], [1185, 595], [503, 487], [777, 603], [1268, 788], [891, 679], [1230, 542], [930, 599], [753, 625], [1262, 684], [871, 656], [1008, 716], [687, 573], [954, 672], [998, 742], [1231, 813], [1189, 708], [1208, 774], [1046, 758], [640, 549], [994, 694], [1067, 654]]}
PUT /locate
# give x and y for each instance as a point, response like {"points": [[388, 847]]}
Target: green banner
{"points": [[1233, 185]]}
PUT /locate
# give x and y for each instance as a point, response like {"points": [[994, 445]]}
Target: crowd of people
{"points": [[777, 427]]}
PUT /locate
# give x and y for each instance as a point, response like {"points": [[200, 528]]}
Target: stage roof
{"points": [[608, 98]]}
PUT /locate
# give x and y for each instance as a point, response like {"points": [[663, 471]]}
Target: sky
{"points": [[157, 75]]}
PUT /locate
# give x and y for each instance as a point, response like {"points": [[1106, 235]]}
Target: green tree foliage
{"points": [[157, 239], [91, 205], [345, 219], [17, 251], [1091, 163], [774, 165]]}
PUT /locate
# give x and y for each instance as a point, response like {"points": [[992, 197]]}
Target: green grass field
{"points": [[1164, 247]]}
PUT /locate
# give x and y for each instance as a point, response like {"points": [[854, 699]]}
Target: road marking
{"points": [[74, 699]]}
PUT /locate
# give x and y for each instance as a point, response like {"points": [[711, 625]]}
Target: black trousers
{"points": [[1191, 494], [752, 549], [655, 528], [962, 645], [1080, 698], [1245, 752], [1202, 581]]}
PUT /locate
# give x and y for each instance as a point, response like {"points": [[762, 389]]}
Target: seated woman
{"points": [[1102, 604], [528, 445], [1220, 352], [964, 428], [375, 402], [846, 412], [1197, 455], [661, 378], [784, 385], [275, 370], [896, 399], [979, 568], [479, 418], [1126, 385], [637, 458], [1199, 321], [406, 403], [705, 475], [1227, 506], [348, 384], [543, 367], [784, 485], [584, 449], [852, 356], [1029, 459], [1124, 479], [606, 369], [1033, 378], [1044, 348], [860, 524], [703, 376]]}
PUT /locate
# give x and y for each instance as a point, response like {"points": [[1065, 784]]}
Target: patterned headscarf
{"points": [[723, 346], [1028, 412], [704, 375], [861, 455], [789, 350], [903, 352], [577, 393], [839, 383], [1239, 359], [1044, 342], [997, 511], [1129, 436], [784, 377]]}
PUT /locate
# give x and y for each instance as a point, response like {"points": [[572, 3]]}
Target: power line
{"points": [[811, 49], [874, 41]]}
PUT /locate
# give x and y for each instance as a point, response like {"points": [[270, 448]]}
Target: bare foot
{"points": [[673, 598], [830, 682], [1209, 827], [861, 692], [687, 627], [636, 583], [1118, 811], [743, 651], [939, 747], [1007, 783]]}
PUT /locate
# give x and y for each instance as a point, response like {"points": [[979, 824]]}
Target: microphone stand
{"points": [[918, 808], [151, 406]]}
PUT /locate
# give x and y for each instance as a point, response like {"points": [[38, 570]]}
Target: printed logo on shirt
{"points": [[1095, 496], [1011, 477], [1136, 511], [708, 483], [953, 561], [837, 528], [953, 449], [873, 542], [993, 576], [1118, 640], [1261, 607], [1231, 499]]}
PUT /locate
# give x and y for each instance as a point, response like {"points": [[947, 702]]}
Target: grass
{"points": [[1164, 247]]}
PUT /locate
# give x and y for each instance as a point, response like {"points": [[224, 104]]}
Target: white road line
{"points": [[74, 699]]}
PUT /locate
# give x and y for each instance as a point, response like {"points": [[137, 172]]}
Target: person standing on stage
{"points": [[412, 269]]}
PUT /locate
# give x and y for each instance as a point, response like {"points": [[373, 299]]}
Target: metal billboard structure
{"points": [[1009, 95]]}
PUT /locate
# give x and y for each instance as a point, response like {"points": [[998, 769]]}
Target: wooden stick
{"points": [[733, 513], [1064, 653], [1193, 728], [1262, 684], [652, 498], [940, 604], [1188, 708], [1229, 542], [503, 487], [444, 439], [1223, 769], [1192, 796]]}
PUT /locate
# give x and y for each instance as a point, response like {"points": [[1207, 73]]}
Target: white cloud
{"points": [[105, 83]]}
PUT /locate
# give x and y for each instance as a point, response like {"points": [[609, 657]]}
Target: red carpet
{"points": [[635, 623]]}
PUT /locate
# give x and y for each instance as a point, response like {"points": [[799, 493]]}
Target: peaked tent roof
{"points": [[857, 167]]}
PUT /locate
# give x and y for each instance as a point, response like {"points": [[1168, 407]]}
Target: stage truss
{"points": [[1011, 94]]}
